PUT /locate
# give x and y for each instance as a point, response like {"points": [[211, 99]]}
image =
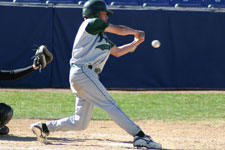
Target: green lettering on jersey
{"points": [[104, 47], [109, 44]]}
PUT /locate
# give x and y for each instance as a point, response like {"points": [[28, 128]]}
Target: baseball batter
{"points": [[91, 50]]}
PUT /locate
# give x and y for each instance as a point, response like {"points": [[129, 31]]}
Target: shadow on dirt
{"points": [[62, 141], [11, 137], [16, 138]]}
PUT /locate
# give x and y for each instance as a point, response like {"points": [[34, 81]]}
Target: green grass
{"points": [[138, 106]]}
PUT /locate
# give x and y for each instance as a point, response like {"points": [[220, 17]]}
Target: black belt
{"points": [[96, 70], [90, 66]]}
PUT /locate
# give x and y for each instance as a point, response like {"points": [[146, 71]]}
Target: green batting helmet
{"points": [[92, 8]]}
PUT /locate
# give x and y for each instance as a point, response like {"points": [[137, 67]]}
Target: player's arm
{"points": [[124, 49], [16, 74], [124, 30]]}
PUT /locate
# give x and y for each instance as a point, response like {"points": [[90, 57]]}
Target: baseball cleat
{"points": [[146, 142], [40, 134]]}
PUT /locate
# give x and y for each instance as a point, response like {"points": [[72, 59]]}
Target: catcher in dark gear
{"points": [[42, 57]]}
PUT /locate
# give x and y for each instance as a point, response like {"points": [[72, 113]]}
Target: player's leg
{"points": [[91, 89], [80, 121], [97, 94]]}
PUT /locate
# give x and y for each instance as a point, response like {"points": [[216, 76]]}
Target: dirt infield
{"points": [[106, 135]]}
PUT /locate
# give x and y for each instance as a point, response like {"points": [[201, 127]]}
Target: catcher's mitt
{"points": [[42, 57]]}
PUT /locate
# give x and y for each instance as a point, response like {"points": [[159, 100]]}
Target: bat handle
{"points": [[141, 34]]}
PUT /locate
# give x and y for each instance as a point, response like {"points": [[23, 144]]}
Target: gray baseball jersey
{"points": [[91, 46]]}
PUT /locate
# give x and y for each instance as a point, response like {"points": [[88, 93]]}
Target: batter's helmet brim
{"points": [[109, 12]]}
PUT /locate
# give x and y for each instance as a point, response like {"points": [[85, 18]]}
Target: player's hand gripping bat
{"points": [[140, 36]]}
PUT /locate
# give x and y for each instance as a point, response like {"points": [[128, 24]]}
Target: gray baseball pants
{"points": [[89, 91]]}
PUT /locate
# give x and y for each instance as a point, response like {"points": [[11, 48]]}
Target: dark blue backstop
{"points": [[191, 55]]}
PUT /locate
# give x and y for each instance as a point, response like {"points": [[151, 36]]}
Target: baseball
{"points": [[156, 43]]}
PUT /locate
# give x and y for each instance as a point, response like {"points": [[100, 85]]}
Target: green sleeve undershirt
{"points": [[96, 26]]}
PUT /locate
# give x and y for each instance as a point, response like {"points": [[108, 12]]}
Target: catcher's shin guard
{"points": [[4, 130], [6, 113]]}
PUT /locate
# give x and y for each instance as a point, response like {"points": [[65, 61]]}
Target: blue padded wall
{"points": [[191, 55]]}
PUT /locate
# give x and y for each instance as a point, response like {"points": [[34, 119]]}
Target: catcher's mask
{"points": [[6, 113], [92, 8]]}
